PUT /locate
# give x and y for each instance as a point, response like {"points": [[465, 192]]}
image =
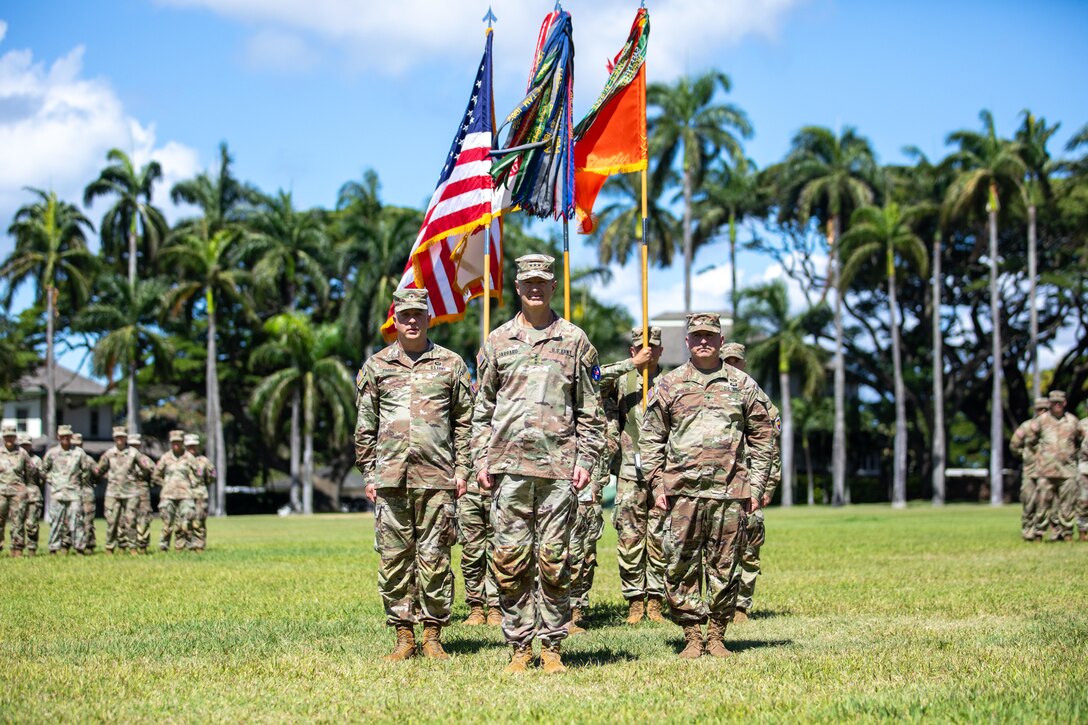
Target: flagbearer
{"points": [[412, 446], [537, 433]]}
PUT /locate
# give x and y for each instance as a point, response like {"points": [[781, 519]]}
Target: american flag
{"points": [[447, 256]]}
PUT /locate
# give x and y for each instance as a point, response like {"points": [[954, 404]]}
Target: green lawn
{"points": [[863, 613]]}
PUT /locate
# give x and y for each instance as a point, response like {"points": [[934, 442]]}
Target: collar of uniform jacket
{"points": [[726, 372], [398, 355], [554, 330]]}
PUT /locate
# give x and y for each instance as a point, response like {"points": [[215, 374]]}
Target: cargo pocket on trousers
{"points": [[449, 513], [379, 509]]}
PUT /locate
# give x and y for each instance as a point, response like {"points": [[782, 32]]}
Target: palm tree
{"points": [[884, 237], [209, 271], [1033, 135], [781, 345], [731, 194], [223, 200], [812, 416], [131, 211], [987, 167], [827, 176], [51, 249], [291, 249], [690, 125], [303, 356], [619, 223]]}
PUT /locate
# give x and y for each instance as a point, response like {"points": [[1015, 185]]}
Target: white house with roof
{"points": [[74, 393]]}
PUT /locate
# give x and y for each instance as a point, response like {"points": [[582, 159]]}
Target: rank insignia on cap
{"points": [[596, 373]]}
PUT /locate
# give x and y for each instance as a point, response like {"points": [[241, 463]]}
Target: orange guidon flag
{"points": [[611, 139]]}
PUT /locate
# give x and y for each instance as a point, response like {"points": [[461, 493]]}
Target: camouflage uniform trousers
{"points": [[639, 529], [533, 519], [414, 530], [35, 508], [1082, 503], [143, 520], [200, 523], [704, 538], [1068, 503], [1047, 504], [66, 529], [477, 549], [588, 527], [1027, 516], [177, 521], [121, 522], [87, 500], [749, 568], [13, 511]]}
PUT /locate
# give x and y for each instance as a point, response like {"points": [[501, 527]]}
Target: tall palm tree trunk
{"points": [[1032, 272], [133, 398], [50, 367], [938, 442], [838, 440], [132, 253], [810, 493], [997, 443], [786, 440], [689, 252], [733, 263], [308, 451], [296, 456], [217, 450], [899, 467]]}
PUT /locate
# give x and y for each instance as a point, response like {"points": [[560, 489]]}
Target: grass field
{"points": [[864, 613]]}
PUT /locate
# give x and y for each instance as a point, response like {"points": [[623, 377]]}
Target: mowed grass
{"points": [[863, 613]]}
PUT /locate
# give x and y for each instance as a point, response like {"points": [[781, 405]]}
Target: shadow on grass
{"points": [[467, 646], [606, 615], [769, 613], [736, 646], [595, 657]]}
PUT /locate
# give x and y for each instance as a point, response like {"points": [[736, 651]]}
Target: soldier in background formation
{"points": [[15, 470], [34, 497], [1028, 475], [587, 530], [123, 468], [64, 469], [86, 496], [205, 476], [177, 475], [143, 498], [1055, 438]]}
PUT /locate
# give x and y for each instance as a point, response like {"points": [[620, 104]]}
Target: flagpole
{"points": [[566, 270], [487, 284], [645, 291]]}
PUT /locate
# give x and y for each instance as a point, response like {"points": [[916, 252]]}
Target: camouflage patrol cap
{"points": [[135, 440], [636, 336], [8, 430], [535, 266], [23, 439], [410, 299], [733, 349], [1056, 396], [191, 439], [119, 431], [77, 439], [1042, 403], [177, 436], [64, 430], [704, 322]]}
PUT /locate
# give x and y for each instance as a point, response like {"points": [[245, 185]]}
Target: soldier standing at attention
{"points": [[1026, 452], [143, 486], [412, 441], [1082, 476], [64, 469], [122, 491], [1056, 437], [34, 499], [15, 471], [477, 552], [86, 495], [537, 433], [205, 475], [706, 448], [638, 522], [176, 473]]}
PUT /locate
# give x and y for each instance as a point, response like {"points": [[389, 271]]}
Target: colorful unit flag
{"points": [[447, 257], [611, 139]]}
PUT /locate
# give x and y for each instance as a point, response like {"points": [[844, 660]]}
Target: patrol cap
{"points": [[192, 439], [410, 299], [535, 266], [636, 336], [732, 349], [1056, 396], [23, 439], [119, 431], [135, 440], [177, 436], [704, 322], [64, 430], [77, 439], [8, 430], [1042, 403]]}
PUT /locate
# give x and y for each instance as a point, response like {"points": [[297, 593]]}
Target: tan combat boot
{"points": [[475, 616], [1084, 535], [520, 658], [550, 661], [635, 610], [494, 617], [405, 648], [432, 643], [16, 553], [575, 619], [693, 636], [715, 639], [740, 616], [655, 610]]}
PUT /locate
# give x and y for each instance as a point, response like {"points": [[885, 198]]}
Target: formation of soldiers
{"points": [[71, 474], [1053, 446], [515, 469]]}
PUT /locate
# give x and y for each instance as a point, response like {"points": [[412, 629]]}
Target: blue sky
{"points": [[309, 94]]}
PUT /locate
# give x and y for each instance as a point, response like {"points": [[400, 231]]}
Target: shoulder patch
{"points": [[596, 372], [778, 423], [359, 379]]}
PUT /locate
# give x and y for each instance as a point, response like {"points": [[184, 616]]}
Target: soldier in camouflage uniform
{"points": [[412, 441], [477, 540], [64, 469], [205, 476], [537, 434], [638, 522], [143, 497], [1019, 446], [87, 497], [176, 474], [120, 466], [15, 471], [706, 447], [1055, 437], [34, 499], [1082, 475]]}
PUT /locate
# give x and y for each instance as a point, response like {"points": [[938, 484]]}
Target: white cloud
{"points": [[56, 127], [709, 289], [280, 50]]}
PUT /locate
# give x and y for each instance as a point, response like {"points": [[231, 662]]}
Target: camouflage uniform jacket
{"points": [[176, 475], [415, 419], [1020, 447], [538, 412], [1082, 464], [16, 470], [35, 480], [621, 390], [117, 466], [65, 471], [143, 473], [774, 475], [1056, 441], [700, 432], [205, 476]]}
